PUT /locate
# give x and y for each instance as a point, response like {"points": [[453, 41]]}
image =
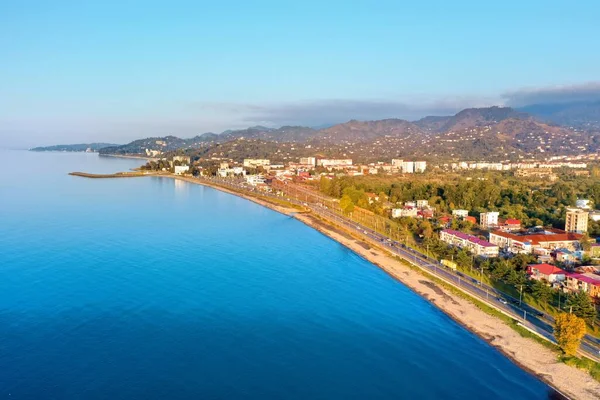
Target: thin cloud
{"points": [[319, 112], [554, 95]]}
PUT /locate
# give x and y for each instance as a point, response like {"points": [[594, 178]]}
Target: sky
{"points": [[115, 71]]}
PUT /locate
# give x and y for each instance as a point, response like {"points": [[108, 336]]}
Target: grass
{"points": [[592, 367]]}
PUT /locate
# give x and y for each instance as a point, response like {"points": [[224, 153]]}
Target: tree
{"points": [[569, 329], [585, 242], [581, 305], [346, 204], [541, 291]]}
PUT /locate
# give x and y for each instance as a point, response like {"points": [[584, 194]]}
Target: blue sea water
{"points": [[148, 288]]}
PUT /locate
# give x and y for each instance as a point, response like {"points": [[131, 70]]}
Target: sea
{"points": [[151, 288]]}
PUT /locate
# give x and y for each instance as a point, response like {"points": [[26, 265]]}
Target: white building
{"points": [[408, 167], [334, 163], [308, 161], [181, 169], [488, 219], [406, 211], [460, 213], [256, 162], [396, 162], [422, 203], [472, 243], [576, 220], [420, 166], [255, 179]]}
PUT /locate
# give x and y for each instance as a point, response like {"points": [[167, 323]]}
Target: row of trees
{"points": [[535, 203]]}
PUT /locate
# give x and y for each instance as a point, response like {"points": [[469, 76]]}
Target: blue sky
{"points": [[120, 70]]}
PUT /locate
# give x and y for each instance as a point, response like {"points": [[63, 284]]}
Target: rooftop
{"points": [[537, 238], [547, 269], [470, 238]]}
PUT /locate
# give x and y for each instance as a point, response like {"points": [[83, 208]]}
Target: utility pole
{"points": [[521, 295]]}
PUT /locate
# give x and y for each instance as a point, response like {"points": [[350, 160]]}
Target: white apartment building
{"points": [[332, 163], [422, 203], [308, 161], [420, 166], [181, 169], [396, 162], [406, 211], [488, 219], [408, 167], [255, 179], [256, 162], [460, 213]]}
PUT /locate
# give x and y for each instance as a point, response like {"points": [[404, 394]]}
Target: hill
{"points": [[492, 133], [584, 115], [74, 147]]}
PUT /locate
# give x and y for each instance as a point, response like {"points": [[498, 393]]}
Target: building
{"points": [[422, 203], [408, 167], [472, 243], [576, 220], [397, 163], [406, 211], [588, 282], [420, 166], [488, 220], [334, 163], [255, 180], [460, 213], [256, 162], [509, 225], [546, 272], [181, 169], [536, 242], [308, 161]]}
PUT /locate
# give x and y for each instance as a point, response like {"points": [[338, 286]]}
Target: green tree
{"points": [[581, 305], [346, 204], [569, 329], [541, 291]]}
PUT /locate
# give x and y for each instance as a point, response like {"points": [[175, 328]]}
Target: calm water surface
{"points": [[147, 288]]}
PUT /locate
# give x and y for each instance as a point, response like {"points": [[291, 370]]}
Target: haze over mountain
{"points": [[477, 133]]}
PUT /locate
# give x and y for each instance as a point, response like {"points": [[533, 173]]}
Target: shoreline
{"points": [[526, 353]]}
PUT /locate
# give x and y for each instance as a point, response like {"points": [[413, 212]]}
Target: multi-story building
{"points": [[308, 161], [489, 220], [546, 272], [406, 211], [397, 163], [422, 203], [472, 243], [181, 169], [334, 163], [420, 166], [589, 283], [460, 213], [576, 220], [551, 239], [256, 162], [408, 167]]}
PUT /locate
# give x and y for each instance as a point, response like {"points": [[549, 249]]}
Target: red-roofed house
{"points": [[546, 272], [528, 243], [472, 220], [509, 225]]}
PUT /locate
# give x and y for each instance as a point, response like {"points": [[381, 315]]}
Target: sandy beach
{"points": [[529, 354]]}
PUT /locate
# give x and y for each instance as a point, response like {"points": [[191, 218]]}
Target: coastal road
{"points": [[529, 317]]}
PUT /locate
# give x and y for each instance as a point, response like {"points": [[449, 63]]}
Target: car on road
{"points": [[503, 301]]}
